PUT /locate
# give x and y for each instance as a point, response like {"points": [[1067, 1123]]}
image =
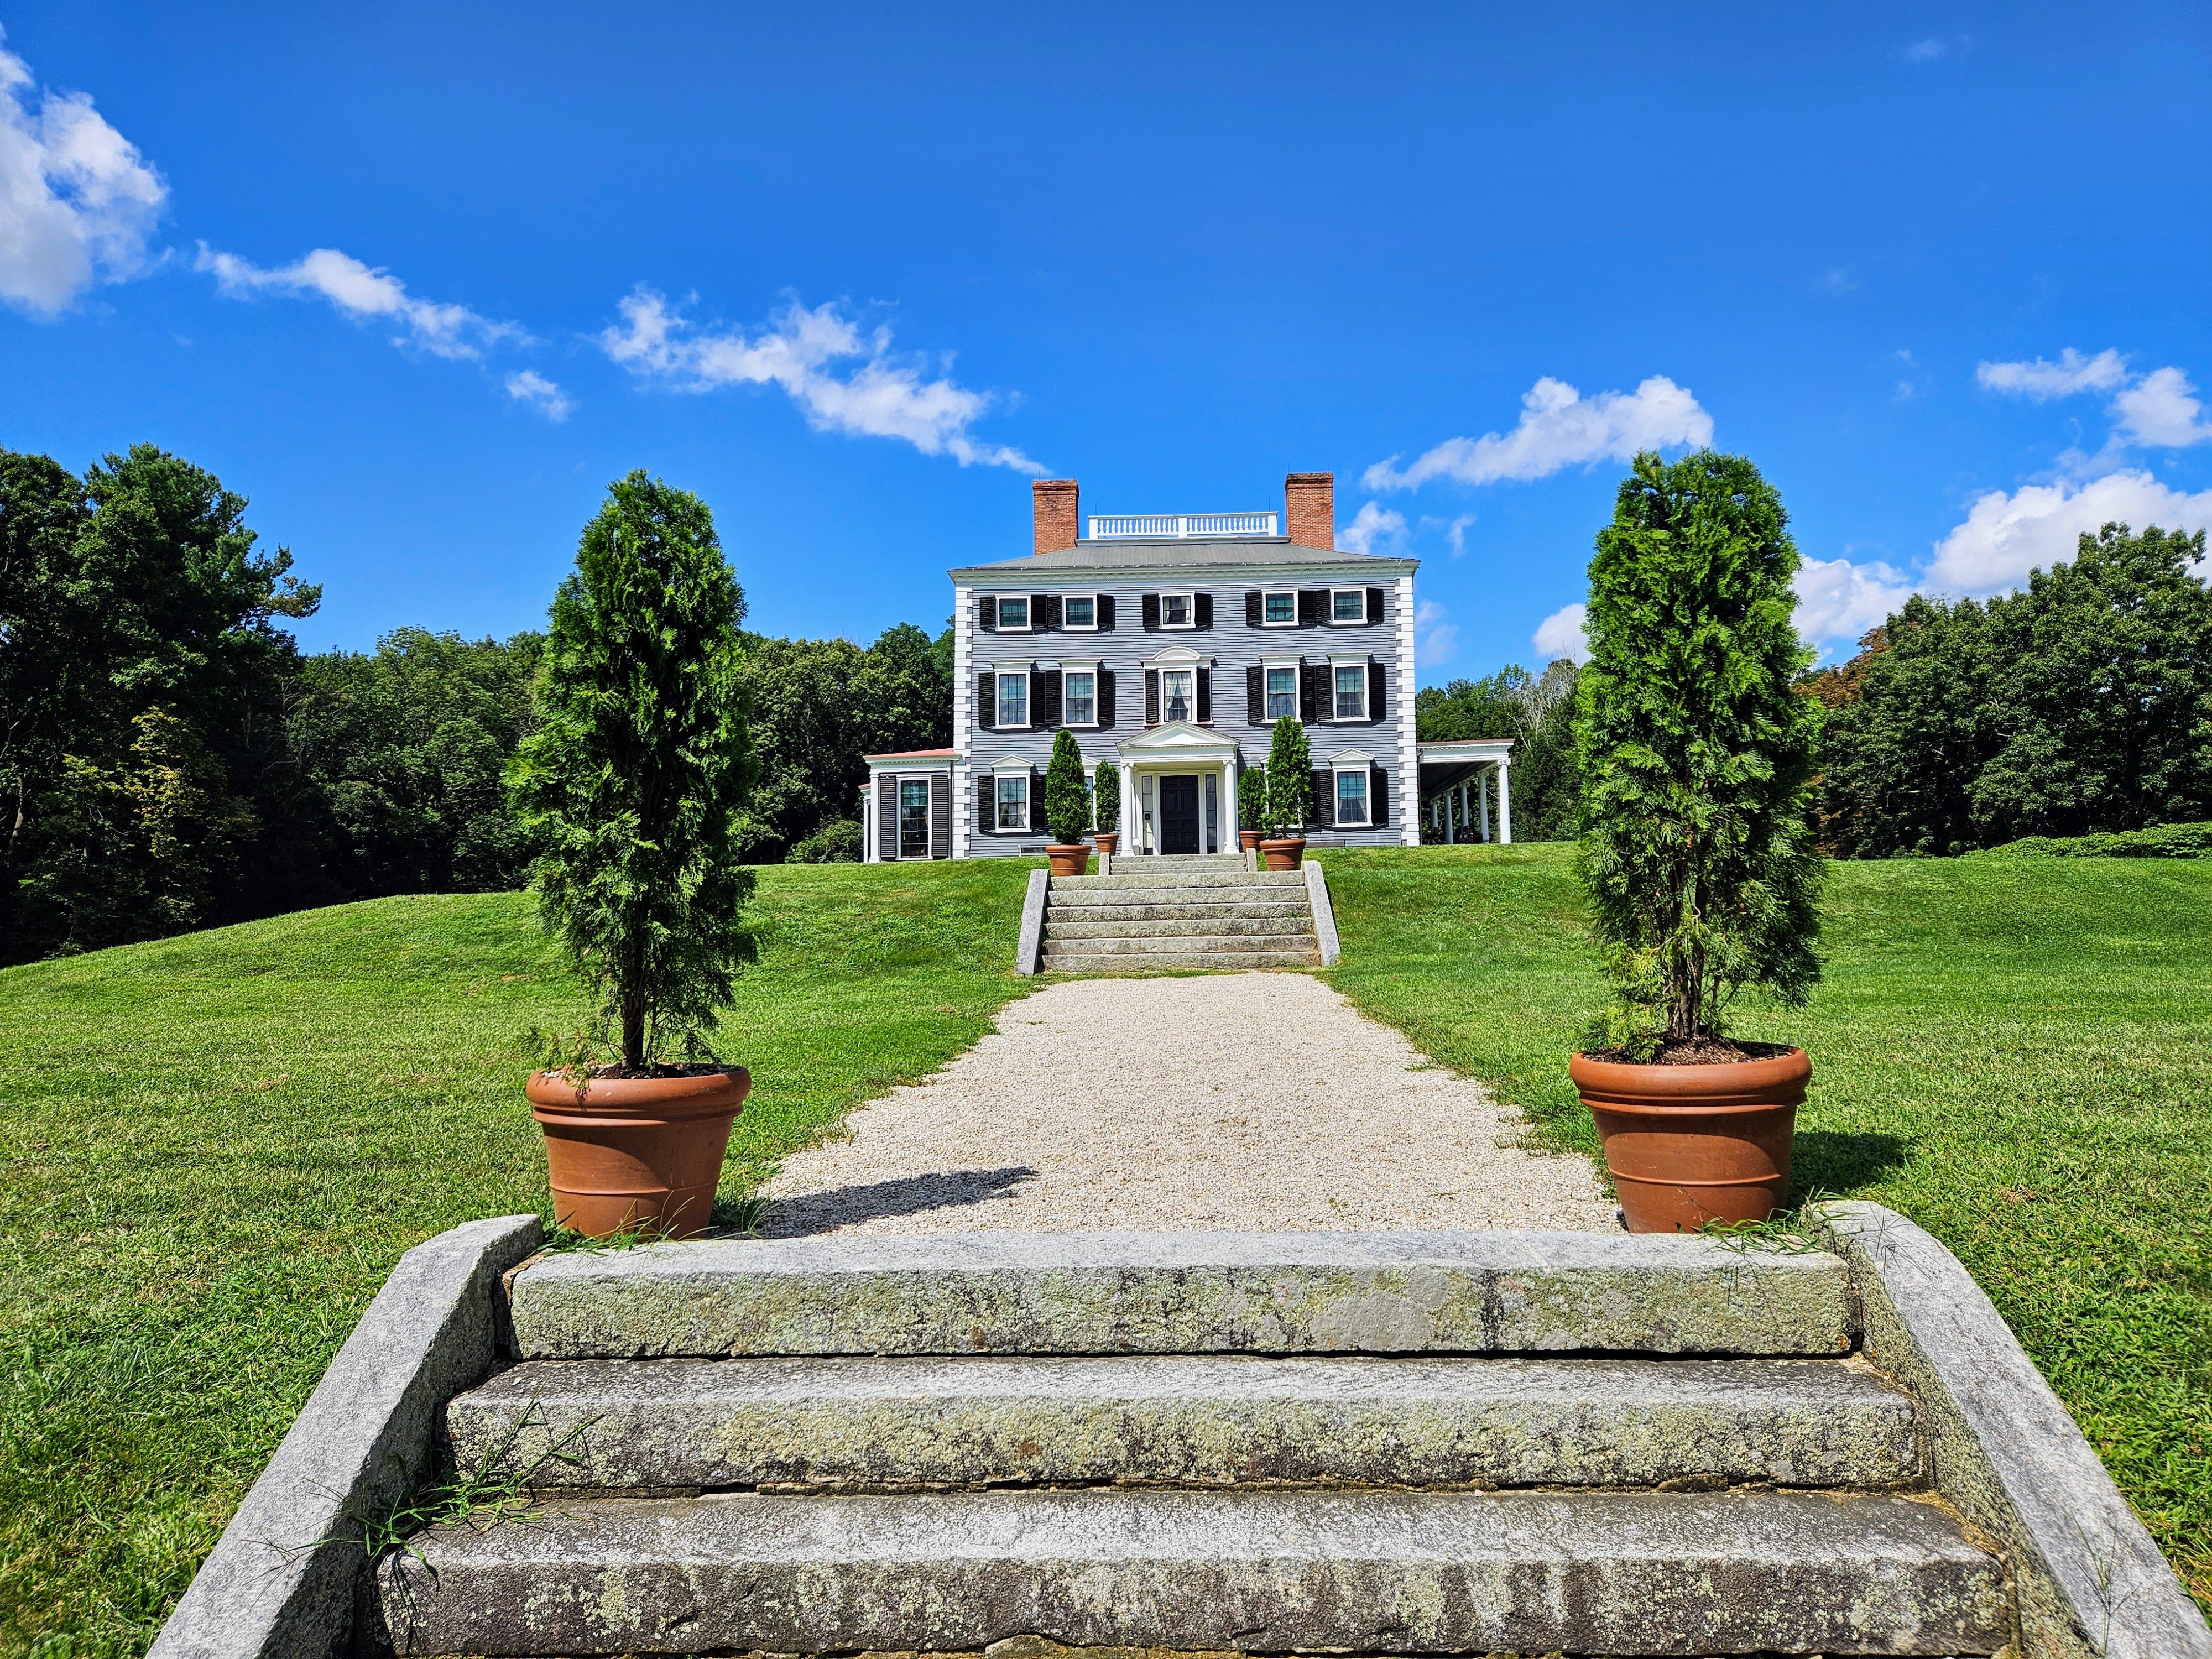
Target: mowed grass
{"points": [[2015, 1054], [213, 1149]]}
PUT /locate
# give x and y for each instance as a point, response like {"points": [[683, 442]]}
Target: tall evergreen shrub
{"points": [[1252, 800], [1697, 845], [1290, 779], [1106, 798], [1066, 802], [640, 762]]}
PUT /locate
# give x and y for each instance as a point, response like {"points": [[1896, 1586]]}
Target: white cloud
{"points": [[77, 204], [1559, 427], [2006, 536], [1560, 634], [2161, 409], [867, 392], [1374, 530], [2043, 380], [362, 292], [1435, 637], [1838, 600], [528, 386], [1937, 47], [1458, 533], [1840, 279]]}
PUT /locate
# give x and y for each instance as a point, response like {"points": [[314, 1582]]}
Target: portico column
{"points": [[1481, 784], [1229, 820], [1132, 830], [1504, 805]]}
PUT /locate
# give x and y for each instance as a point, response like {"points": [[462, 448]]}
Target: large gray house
{"points": [[1169, 645]]}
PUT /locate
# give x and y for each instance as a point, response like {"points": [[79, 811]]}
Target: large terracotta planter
{"points": [[1286, 855], [1686, 1144], [637, 1151], [1248, 839], [1070, 861], [1110, 841]]}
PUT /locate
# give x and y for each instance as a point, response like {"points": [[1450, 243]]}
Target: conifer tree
{"points": [[1290, 779], [1066, 802]]}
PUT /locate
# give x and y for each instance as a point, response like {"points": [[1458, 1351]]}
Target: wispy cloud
{"points": [[2041, 380], [1839, 280], [1937, 47], [2157, 411], [1560, 634], [1559, 427], [843, 380], [1374, 530], [78, 203], [365, 293], [528, 386], [1435, 636]]}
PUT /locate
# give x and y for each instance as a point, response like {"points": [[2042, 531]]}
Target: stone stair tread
{"points": [[1205, 1419], [1172, 943], [1177, 927], [1494, 1292], [1217, 962], [1150, 895], [1268, 1571]]}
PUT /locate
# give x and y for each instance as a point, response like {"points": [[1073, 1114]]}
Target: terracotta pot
{"points": [[1686, 1144], [625, 1151], [1072, 861], [1248, 839], [1110, 841], [1286, 855]]}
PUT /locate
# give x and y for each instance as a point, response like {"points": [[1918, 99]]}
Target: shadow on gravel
{"points": [[817, 1212]]}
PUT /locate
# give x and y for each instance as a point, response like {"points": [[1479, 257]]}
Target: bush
{"points": [[1066, 801], [1695, 752], [1289, 779], [836, 842], [1252, 798], [1106, 797], [2161, 840], [632, 783]]}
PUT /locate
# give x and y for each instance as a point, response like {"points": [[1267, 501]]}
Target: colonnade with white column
{"points": [[1462, 812]]}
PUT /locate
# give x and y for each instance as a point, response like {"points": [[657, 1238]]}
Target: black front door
{"points": [[1178, 815]]}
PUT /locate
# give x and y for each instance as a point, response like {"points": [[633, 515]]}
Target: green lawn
{"points": [[212, 1150], [2017, 1053]]}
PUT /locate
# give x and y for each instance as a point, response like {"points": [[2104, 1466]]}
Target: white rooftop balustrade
{"points": [[1179, 526]]}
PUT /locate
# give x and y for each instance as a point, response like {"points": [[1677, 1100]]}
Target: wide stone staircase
{"points": [[1195, 911], [1503, 1444]]}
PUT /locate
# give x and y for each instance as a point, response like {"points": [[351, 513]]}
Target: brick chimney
{"points": [[1309, 508], [1058, 525]]}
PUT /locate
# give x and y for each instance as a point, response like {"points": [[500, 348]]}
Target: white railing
{"points": [[1178, 526]]}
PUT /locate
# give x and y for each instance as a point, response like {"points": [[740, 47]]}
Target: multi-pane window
{"points": [[1079, 611], [1282, 609], [914, 818], [1174, 611], [1080, 690], [1348, 605], [1351, 797], [1177, 695], [1282, 693], [1013, 701], [1013, 615], [1014, 802], [1352, 691]]}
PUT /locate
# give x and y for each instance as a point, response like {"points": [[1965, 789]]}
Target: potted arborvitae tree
{"points": [[629, 787], [1696, 848], [1106, 807], [1251, 807], [1067, 806], [1290, 796]]}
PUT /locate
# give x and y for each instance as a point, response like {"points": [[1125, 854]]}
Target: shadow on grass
{"points": [[817, 1212], [1842, 1163]]}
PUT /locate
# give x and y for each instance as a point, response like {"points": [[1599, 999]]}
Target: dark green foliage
{"points": [[1252, 798], [632, 783], [1066, 801], [2082, 704], [1289, 779], [1696, 751], [1106, 797], [1536, 710], [837, 842], [2162, 841]]}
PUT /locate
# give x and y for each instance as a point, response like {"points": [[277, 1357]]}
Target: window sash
{"points": [[1351, 694], [1282, 693], [1174, 611], [1351, 797], [1080, 695], [1276, 609], [1013, 803], [1178, 685], [1013, 701], [1348, 605], [1079, 611], [1013, 615]]}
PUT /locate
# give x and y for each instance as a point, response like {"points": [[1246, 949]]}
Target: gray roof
{"points": [[1205, 552]]}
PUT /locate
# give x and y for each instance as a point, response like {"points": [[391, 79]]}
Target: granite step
{"points": [[1085, 925], [1155, 893], [1221, 960], [1149, 875], [1493, 1293], [1215, 941], [886, 1424], [1265, 1571], [1055, 915]]}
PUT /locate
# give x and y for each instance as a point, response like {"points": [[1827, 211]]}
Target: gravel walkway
{"points": [[1232, 1101]]}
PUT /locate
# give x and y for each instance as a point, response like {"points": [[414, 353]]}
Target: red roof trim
{"points": [[916, 754]]}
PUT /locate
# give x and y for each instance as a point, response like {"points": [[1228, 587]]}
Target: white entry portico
{"points": [[1179, 790]]}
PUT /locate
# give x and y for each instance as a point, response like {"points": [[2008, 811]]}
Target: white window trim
{"points": [[1092, 669], [1360, 621], [1067, 627], [1363, 763], [898, 827], [1190, 604], [1029, 620], [1189, 665], [1366, 687], [999, 774], [1268, 664], [998, 698], [1266, 593]]}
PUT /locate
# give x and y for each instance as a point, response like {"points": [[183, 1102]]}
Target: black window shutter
{"points": [[1045, 611], [1256, 696], [987, 702], [1206, 696], [1309, 699], [940, 817], [1049, 686], [987, 804], [1251, 610], [1037, 798], [1324, 796], [1106, 697], [1151, 696], [1203, 605], [987, 613], [1313, 606], [1378, 796], [887, 827], [1105, 613], [1152, 613], [1378, 678], [1375, 605]]}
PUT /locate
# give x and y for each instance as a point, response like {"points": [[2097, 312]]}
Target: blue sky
{"points": [[419, 280]]}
